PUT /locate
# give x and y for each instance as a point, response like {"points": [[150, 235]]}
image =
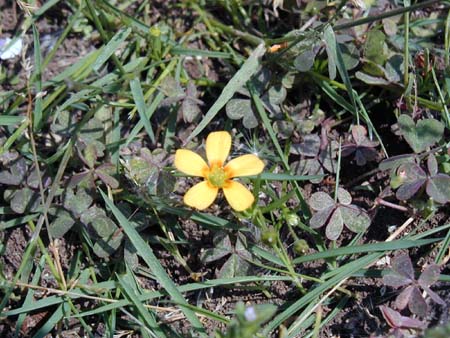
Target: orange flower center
{"points": [[217, 176]]}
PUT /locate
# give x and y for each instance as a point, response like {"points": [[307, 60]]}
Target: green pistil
{"points": [[217, 177]]}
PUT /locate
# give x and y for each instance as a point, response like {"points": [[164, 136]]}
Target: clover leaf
{"points": [[412, 177], [236, 264], [361, 146], [103, 230], [337, 214], [399, 322], [314, 160], [190, 103], [61, 224], [147, 170], [77, 202], [242, 109], [422, 135], [402, 275]]}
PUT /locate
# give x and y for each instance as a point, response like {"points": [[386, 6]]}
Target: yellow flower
{"points": [[217, 175]]}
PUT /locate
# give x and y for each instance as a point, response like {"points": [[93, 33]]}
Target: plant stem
{"points": [[381, 201], [406, 48], [385, 15]]}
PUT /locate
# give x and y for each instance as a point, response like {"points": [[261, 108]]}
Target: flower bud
{"points": [[292, 219], [269, 237], [301, 247]]}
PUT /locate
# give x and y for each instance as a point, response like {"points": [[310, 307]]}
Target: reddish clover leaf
{"points": [[402, 275], [361, 146], [315, 157], [413, 178], [337, 214], [397, 321]]}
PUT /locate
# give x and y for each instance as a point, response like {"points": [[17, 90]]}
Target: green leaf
{"points": [[330, 45], [320, 218], [222, 247], [372, 80], [321, 201], [24, 199], [305, 60], [432, 165], [64, 124], [160, 183], [103, 226], [394, 68], [277, 94], [438, 188], [422, 135], [394, 162], [92, 213], [344, 196], [132, 294], [130, 256], [63, 223], [10, 120], [242, 109], [375, 48], [90, 155], [105, 172], [363, 249], [139, 99], [77, 203], [233, 267], [91, 131], [105, 247], [350, 55], [111, 48], [107, 179]]}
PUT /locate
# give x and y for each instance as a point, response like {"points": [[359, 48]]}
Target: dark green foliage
{"points": [[103, 230], [438, 332], [148, 172]]}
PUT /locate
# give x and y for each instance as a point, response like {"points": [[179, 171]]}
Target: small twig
{"points": [[55, 251], [399, 230]]}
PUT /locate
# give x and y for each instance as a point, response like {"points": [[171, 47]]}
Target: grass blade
{"points": [[146, 252], [138, 97], [111, 48], [250, 67]]}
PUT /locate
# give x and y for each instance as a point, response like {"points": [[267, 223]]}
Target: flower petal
{"points": [[238, 196], [201, 195], [218, 145], [190, 163], [245, 165]]}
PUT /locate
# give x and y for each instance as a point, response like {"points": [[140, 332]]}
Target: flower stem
{"points": [[282, 254]]}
